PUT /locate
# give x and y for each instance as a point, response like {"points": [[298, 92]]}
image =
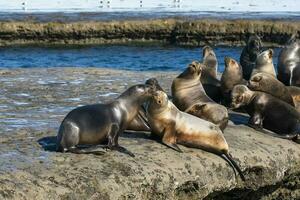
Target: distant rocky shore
{"points": [[164, 31]]}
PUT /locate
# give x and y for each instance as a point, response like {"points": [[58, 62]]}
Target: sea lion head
{"points": [[255, 81], [232, 65], [240, 96], [207, 51], [158, 102], [254, 44], [193, 71], [140, 92], [154, 82], [265, 57]]}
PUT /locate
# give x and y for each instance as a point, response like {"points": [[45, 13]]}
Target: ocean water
{"points": [[138, 58]]}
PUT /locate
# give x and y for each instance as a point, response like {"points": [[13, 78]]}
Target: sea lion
{"points": [[289, 63], [264, 63], [209, 78], [99, 123], [189, 96], [232, 75], [269, 84], [268, 112], [176, 127], [140, 122], [249, 55]]}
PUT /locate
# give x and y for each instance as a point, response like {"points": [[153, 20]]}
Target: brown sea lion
{"points": [[249, 55], [209, 79], [264, 63], [189, 96], [289, 63], [99, 123], [269, 84], [268, 112], [176, 127], [232, 75]]}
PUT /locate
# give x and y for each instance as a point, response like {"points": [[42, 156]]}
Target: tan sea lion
{"points": [[264, 82], [99, 123], [189, 96], [209, 79], [268, 112], [232, 75], [176, 127], [264, 63]]}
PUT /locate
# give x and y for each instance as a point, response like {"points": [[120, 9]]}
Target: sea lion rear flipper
{"points": [[169, 138], [233, 164]]}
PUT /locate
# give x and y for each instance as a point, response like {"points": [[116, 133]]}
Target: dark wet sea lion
{"points": [[249, 55], [264, 63], [209, 78], [232, 75], [289, 63], [268, 112], [176, 127], [99, 123], [189, 96], [269, 84]]}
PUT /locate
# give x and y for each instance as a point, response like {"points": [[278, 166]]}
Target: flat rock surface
{"points": [[34, 101]]}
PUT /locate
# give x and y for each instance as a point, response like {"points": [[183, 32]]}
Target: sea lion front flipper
{"points": [[90, 150], [169, 138]]}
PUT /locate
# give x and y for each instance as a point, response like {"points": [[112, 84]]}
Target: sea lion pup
{"points": [[140, 122], [268, 112], [249, 55], [189, 96], [264, 63], [176, 127], [232, 75], [269, 84], [98, 123], [289, 63], [209, 79]]}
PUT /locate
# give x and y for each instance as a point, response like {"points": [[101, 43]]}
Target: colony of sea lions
{"points": [[193, 115]]}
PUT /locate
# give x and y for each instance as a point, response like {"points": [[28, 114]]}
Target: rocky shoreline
{"points": [[187, 32], [31, 170]]}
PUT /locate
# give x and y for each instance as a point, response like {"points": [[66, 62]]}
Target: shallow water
{"points": [[140, 58]]}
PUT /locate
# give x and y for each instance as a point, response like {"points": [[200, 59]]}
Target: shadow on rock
{"points": [[239, 118], [48, 143]]}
